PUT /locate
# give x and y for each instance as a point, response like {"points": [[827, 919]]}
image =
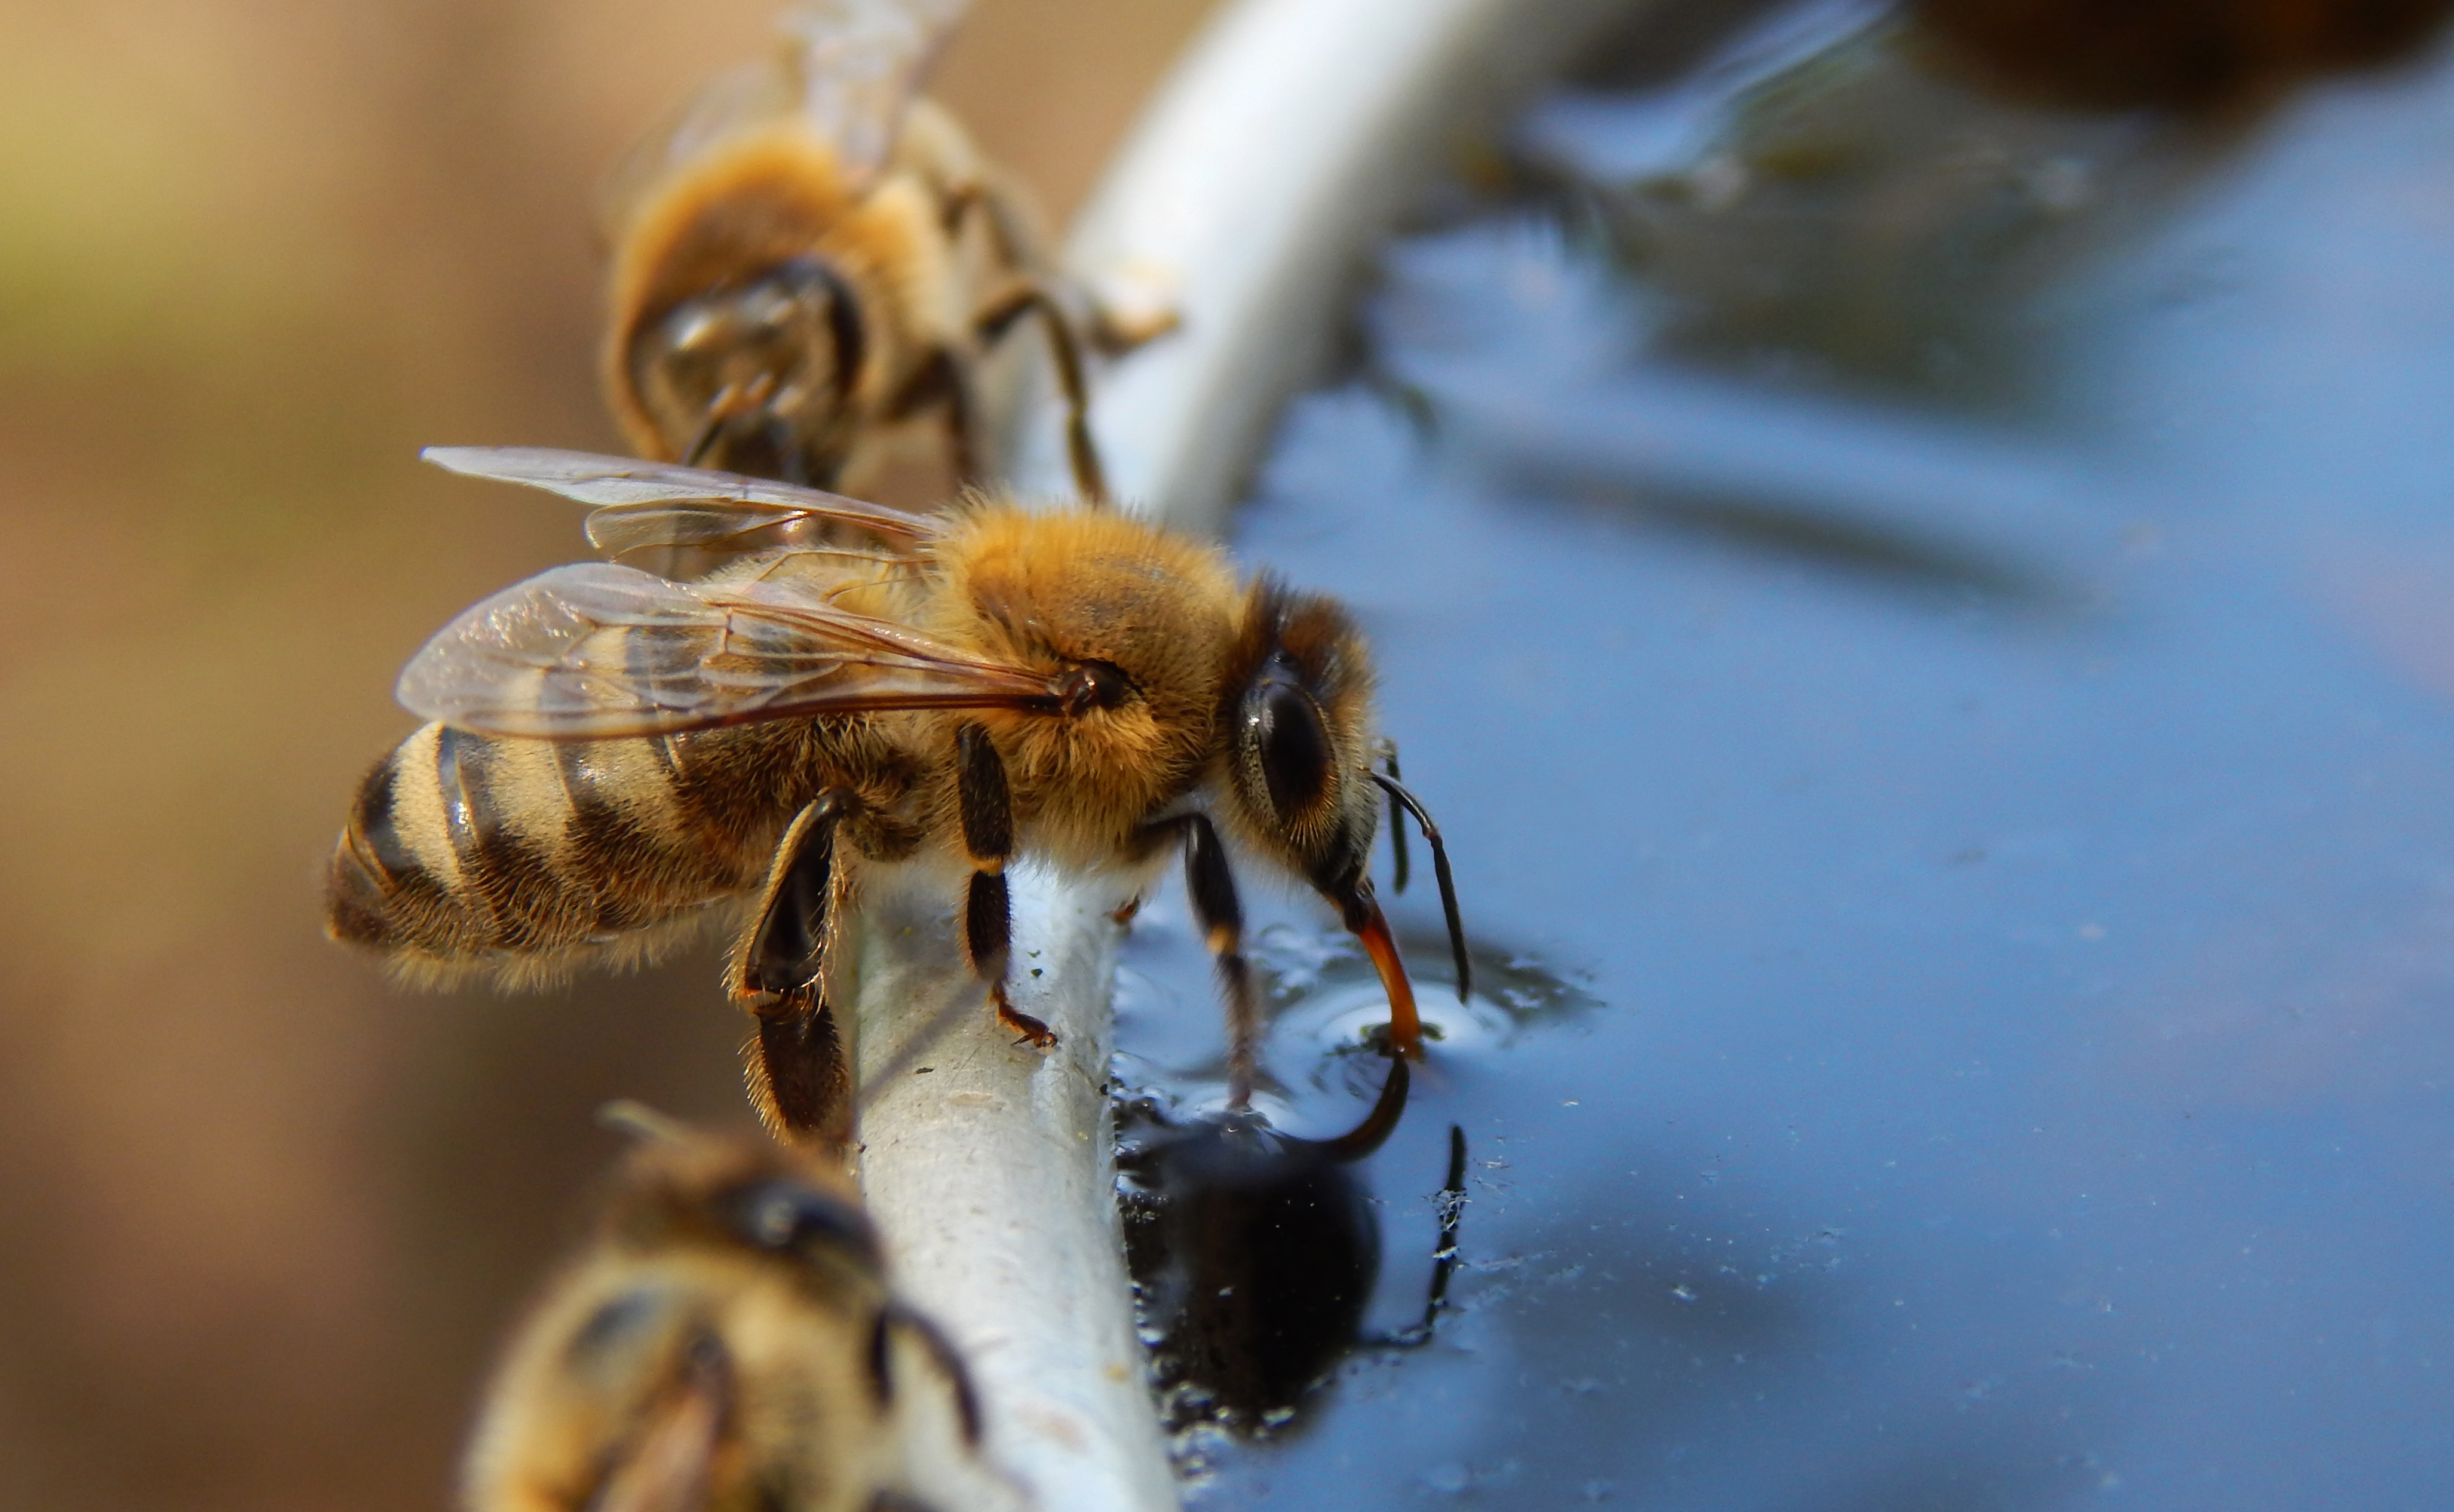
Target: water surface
{"points": [[1974, 834]]}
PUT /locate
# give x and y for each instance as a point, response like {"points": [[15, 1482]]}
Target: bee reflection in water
{"points": [[1256, 1252]]}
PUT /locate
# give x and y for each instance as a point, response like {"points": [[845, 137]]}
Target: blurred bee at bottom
{"points": [[813, 255], [726, 1343]]}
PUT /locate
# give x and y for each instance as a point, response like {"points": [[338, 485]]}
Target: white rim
{"points": [[1274, 157]]}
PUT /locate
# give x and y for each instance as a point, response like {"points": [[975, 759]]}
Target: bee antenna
{"points": [[1412, 805], [643, 1123], [1397, 824]]}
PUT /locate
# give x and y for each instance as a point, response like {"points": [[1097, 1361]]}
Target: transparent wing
{"points": [[660, 504], [859, 63], [599, 651], [847, 66]]}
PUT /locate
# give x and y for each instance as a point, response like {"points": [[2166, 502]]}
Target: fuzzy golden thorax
{"points": [[1064, 590]]}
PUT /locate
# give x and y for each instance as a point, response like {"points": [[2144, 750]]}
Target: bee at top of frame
{"points": [[617, 749], [811, 262], [728, 1342]]}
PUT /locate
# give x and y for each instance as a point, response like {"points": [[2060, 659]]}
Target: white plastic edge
{"points": [[1251, 194], [1274, 157]]}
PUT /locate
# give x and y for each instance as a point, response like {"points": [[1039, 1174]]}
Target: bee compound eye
{"points": [[786, 1217], [615, 1327], [775, 1220], [1292, 744]]}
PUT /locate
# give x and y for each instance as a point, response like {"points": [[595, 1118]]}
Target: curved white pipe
{"points": [[1274, 157]]}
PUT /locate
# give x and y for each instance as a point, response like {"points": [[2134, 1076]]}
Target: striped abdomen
{"points": [[468, 850]]}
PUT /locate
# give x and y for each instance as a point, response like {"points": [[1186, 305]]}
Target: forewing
{"points": [[848, 68], [859, 62], [599, 651], [641, 504]]}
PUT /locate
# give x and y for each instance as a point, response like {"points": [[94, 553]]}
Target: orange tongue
{"points": [[1405, 1028]]}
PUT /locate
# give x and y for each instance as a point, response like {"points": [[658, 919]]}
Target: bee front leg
{"points": [[1216, 908], [987, 807], [799, 1075]]}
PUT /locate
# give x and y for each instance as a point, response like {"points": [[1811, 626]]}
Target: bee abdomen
{"points": [[465, 848]]}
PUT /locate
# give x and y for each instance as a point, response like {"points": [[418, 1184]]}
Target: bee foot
{"points": [[1028, 1031]]}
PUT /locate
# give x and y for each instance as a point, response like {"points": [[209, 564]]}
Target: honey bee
{"points": [[727, 1342], [615, 749], [814, 254]]}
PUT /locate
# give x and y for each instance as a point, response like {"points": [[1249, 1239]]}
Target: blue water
{"points": [[1997, 858]]}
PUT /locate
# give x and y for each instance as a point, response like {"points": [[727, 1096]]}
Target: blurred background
{"points": [[261, 1215], [1989, 456]]}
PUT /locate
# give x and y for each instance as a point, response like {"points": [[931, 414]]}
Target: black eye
{"points": [[619, 1322], [1283, 726], [790, 1217]]}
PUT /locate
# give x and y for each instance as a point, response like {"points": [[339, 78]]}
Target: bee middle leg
{"points": [[1211, 885], [987, 809], [800, 1074]]}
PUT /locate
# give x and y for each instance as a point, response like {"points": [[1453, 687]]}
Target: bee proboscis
{"points": [[614, 750]]}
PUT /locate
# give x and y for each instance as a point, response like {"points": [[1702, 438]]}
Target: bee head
{"points": [[754, 376], [1298, 736]]}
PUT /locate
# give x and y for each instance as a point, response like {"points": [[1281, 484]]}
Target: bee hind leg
{"points": [[987, 808], [799, 1073]]}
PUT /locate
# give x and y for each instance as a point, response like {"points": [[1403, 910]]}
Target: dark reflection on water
{"points": [[1997, 821], [1255, 1254]]}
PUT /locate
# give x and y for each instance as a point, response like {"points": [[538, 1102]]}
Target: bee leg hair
{"points": [[987, 809], [800, 1077], [992, 324]]}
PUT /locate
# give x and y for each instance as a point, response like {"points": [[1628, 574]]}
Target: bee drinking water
{"points": [[614, 750]]}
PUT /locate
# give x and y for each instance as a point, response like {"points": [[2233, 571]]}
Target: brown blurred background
{"points": [[261, 1215]]}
